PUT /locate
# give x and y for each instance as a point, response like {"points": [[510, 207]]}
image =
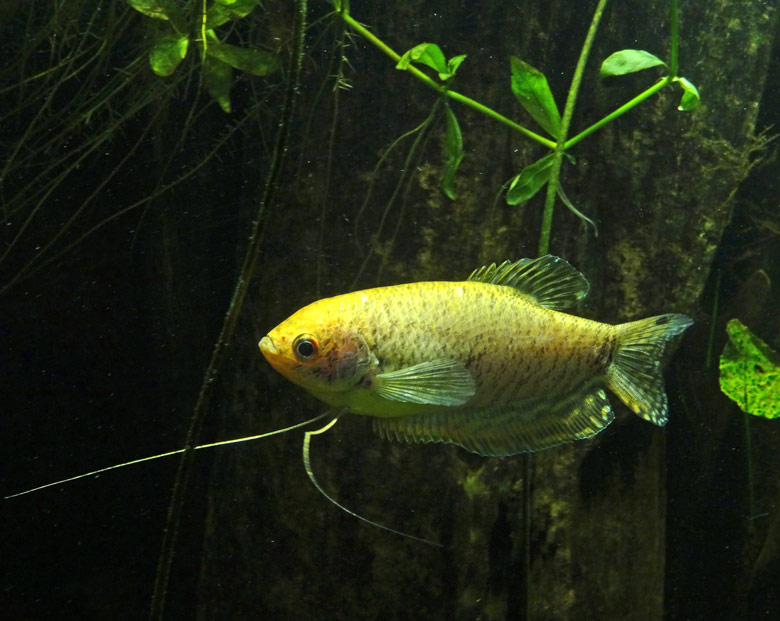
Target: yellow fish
{"points": [[489, 363]]}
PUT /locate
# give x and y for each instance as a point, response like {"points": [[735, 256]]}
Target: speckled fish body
{"points": [[521, 351], [489, 363]]}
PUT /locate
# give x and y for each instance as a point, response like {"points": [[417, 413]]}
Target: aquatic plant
{"points": [[217, 57], [750, 372], [81, 80], [530, 87], [750, 376]]}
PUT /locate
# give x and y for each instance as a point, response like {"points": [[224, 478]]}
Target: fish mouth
{"points": [[274, 356], [267, 346]]}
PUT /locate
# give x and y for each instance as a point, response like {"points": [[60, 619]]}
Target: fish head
{"points": [[317, 351]]}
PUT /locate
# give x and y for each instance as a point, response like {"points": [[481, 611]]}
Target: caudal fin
{"points": [[636, 372]]}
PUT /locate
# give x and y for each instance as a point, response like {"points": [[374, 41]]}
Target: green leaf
{"points": [[218, 78], [223, 11], [750, 372], [453, 153], [158, 9], [532, 91], [629, 61], [453, 64], [427, 54], [430, 54], [566, 201], [530, 180], [167, 53], [249, 59], [690, 98]]}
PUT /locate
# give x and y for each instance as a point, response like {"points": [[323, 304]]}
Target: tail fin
{"points": [[636, 372]]}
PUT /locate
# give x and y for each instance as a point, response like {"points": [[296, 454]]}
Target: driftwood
{"points": [[661, 185]]}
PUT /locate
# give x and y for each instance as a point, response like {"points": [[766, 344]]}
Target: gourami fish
{"points": [[489, 364]]}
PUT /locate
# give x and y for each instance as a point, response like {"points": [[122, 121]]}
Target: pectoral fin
{"points": [[435, 382]]}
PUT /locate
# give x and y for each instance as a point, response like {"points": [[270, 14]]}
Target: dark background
{"points": [[127, 201]]}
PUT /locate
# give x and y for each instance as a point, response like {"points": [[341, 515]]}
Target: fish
{"points": [[491, 364]]}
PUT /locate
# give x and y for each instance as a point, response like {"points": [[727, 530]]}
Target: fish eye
{"points": [[305, 347]]}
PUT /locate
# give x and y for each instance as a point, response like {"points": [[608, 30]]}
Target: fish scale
{"points": [[524, 350], [490, 363]]}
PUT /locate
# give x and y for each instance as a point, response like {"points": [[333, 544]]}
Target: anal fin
{"points": [[520, 427]]}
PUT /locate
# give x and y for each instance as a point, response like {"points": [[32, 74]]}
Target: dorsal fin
{"points": [[549, 280]]}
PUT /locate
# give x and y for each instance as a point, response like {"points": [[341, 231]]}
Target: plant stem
{"points": [[440, 88], [620, 111], [498, 117], [674, 38], [749, 467], [568, 111], [203, 12], [713, 321]]}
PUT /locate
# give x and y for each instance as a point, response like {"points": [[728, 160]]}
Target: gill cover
{"points": [[322, 361]]}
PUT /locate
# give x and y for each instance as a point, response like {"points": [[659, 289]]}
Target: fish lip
{"points": [[267, 346]]}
